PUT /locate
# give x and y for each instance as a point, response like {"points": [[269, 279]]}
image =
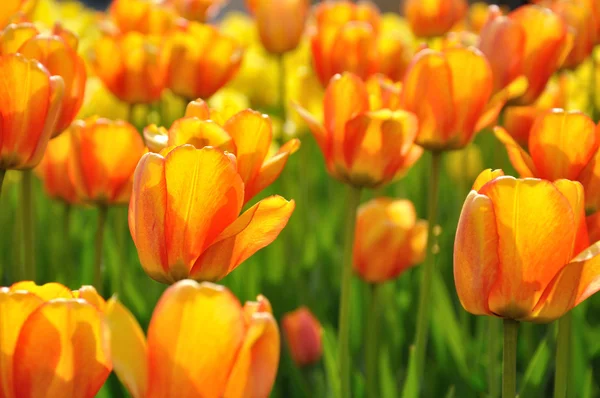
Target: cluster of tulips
{"points": [[148, 105]]}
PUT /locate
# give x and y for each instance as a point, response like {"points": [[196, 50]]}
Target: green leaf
{"points": [[388, 384], [533, 383], [330, 360]]}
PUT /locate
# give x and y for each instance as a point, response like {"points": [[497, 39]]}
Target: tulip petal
{"points": [[573, 191], [486, 176], [316, 128], [46, 292], [518, 121], [268, 218], [199, 109], [520, 159], [91, 296], [200, 133], [76, 361], [193, 339], [354, 49], [128, 348]]}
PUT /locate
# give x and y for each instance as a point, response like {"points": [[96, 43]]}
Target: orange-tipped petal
{"points": [[354, 50], [316, 128], [518, 121], [593, 226], [261, 224], [74, 340], [520, 159], [90, 294], [53, 170], [573, 191], [199, 109], [193, 340], [128, 348], [486, 176], [200, 133]]}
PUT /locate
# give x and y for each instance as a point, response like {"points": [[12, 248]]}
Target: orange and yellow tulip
{"points": [[30, 102], [561, 145], [200, 60], [303, 334], [197, 10], [129, 66], [430, 18], [67, 327], [15, 9], [53, 170], [103, 157], [143, 16], [58, 53], [450, 92], [388, 239], [280, 23], [363, 145], [201, 343], [521, 249], [248, 135], [579, 17], [184, 215]]}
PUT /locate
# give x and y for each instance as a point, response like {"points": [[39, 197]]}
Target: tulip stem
{"points": [[67, 259], [422, 328], [2, 174], [563, 350], [493, 346], [371, 346], [27, 230], [353, 200], [509, 358], [98, 282]]}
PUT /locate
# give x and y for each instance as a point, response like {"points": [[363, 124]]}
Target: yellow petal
{"points": [[520, 159], [46, 292], [486, 176]]}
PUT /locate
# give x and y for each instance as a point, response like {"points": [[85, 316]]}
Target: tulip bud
{"points": [[302, 332], [430, 18]]}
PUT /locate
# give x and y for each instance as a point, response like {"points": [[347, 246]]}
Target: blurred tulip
{"points": [[197, 10], [30, 102], [103, 158], [280, 23], [130, 67], [247, 135], [363, 146], [58, 53], [184, 215], [303, 334], [430, 18], [67, 327], [520, 249], [450, 92], [143, 16], [579, 17], [200, 60], [395, 46], [561, 145], [464, 165], [15, 9], [388, 239], [53, 170], [230, 351]]}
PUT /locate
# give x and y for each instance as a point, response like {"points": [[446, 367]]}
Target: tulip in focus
{"points": [[430, 18], [388, 239], [52, 170], [197, 10], [30, 103], [521, 249], [184, 215], [363, 145], [561, 145], [201, 343], [143, 16], [54, 341], [303, 334], [103, 157]]}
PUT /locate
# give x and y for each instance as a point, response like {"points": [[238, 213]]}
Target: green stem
{"points": [[66, 245], [493, 341], [371, 346], [2, 174], [27, 230], [509, 358], [563, 351], [98, 282], [424, 309], [353, 200]]}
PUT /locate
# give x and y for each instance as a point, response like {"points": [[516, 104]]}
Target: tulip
{"points": [[303, 334], [388, 239], [143, 16], [53, 170], [430, 18], [183, 215], [363, 146], [130, 67], [277, 36], [13, 9], [58, 53], [247, 135], [201, 343], [68, 327], [197, 10], [450, 92], [579, 17], [200, 60], [553, 155]]}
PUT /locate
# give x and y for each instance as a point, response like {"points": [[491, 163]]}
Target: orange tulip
{"points": [[200, 60], [593, 226], [58, 53], [143, 16], [520, 249], [53, 170], [15, 9], [197, 10], [450, 92], [201, 343], [53, 340], [430, 18], [579, 17], [363, 145], [30, 101], [184, 215], [388, 239], [248, 135], [561, 145], [103, 158], [130, 67], [280, 23], [303, 334]]}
